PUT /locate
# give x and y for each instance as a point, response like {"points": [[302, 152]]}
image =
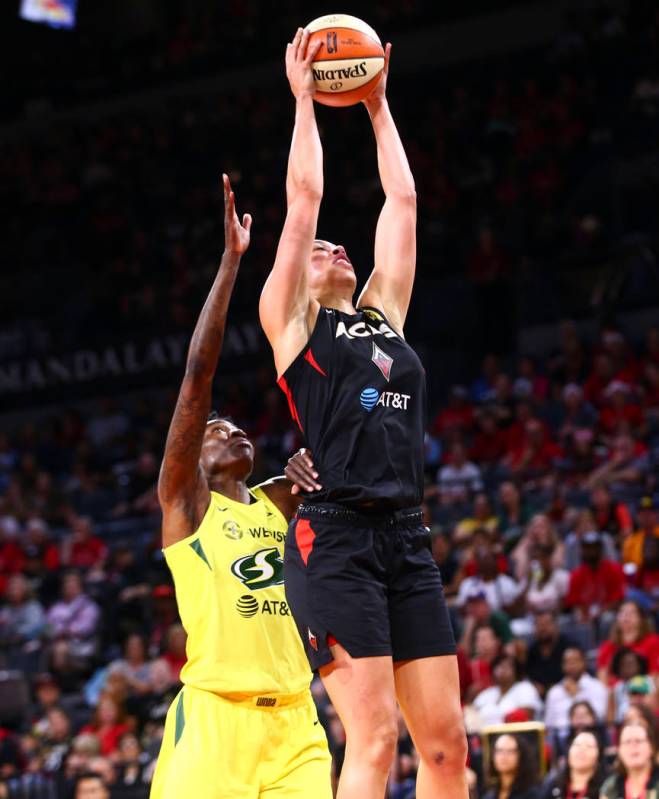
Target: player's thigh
{"points": [[362, 691], [428, 690], [298, 764]]}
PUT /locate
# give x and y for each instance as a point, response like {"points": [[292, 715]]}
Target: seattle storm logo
{"points": [[260, 570]]}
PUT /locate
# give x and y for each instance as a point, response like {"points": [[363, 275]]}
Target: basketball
{"points": [[349, 63]]}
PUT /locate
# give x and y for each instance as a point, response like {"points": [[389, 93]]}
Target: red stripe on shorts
{"points": [[304, 537]]}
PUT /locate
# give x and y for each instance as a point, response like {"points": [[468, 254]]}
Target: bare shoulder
{"points": [[294, 337]]}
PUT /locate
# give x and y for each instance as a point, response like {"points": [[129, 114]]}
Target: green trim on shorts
{"points": [[180, 719]]}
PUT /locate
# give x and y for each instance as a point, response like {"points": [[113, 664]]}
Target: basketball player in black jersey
{"points": [[360, 578]]}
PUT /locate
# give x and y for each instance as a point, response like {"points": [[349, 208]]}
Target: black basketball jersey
{"points": [[357, 391]]}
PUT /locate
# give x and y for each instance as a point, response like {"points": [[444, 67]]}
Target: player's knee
{"points": [[377, 745], [445, 747]]}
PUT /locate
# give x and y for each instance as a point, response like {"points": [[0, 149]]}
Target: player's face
{"points": [[330, 270], [226, 447]]}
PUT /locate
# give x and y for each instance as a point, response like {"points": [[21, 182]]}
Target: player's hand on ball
{"points": [[299, 56], [380, 89], [301, 473], [236, 236]]}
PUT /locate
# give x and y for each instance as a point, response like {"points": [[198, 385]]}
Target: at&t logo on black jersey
{"points": [[370, 397]]}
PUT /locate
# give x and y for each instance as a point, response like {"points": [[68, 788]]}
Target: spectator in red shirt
{"points": [[598, 584], [489, 442], [599, 378], [624, 363], [620, 410], [108, 724], [537, 455], [632, 629], [458, 416], [82, 549], [175, 654], [516, 433], [12, 559]]}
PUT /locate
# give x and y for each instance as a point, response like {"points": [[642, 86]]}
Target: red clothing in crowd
{"points": [[610, 418], [89, 553], [648, 647], [12, 558], [109, 737], [176, 663], [454, 418], [603, 585], [488, 448], [541, 458]]}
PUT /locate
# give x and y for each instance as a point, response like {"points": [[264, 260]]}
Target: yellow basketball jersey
{"points": [[230, 591]]}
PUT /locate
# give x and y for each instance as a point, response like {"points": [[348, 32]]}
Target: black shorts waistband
{"points": [[405, 517]]}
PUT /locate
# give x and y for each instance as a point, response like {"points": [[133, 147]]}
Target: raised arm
{"points": [[389, 287], [287, 314], [182, 488]]}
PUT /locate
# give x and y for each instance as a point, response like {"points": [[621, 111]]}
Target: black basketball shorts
{"points": [[367, 582]]}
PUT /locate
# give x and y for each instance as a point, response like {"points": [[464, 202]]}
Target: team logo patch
{"points": [[232, 530], [312, 639], [369, 398], [383, 361], [247, 606], [260, 570], [373, 315]]}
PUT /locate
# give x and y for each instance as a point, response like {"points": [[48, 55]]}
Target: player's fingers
{"points": [[295, 489], [300, 478], [304, 44], [312, 51], [247, 221], [295, 45], [308, 462], [387, 57]]}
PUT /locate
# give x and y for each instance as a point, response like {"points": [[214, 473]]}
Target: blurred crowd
{"points": [[542, 491]]}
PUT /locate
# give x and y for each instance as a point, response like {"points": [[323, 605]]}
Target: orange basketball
{"points": [[349, 63]]}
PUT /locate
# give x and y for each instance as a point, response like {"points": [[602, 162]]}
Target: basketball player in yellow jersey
{"points": [[244, 724]]}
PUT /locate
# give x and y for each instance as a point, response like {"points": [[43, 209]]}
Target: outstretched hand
{"points": [[379, 91], [299, 57], [236, 236]]}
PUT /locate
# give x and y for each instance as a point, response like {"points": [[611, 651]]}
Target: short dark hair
{"points": [[89, 775], [624, 652], [214, 416], [517, 666]]}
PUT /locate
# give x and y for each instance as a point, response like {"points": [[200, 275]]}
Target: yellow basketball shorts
{"points": [[214, 748]]}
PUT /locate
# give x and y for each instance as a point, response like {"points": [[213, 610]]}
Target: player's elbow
{"points": [[306, 191], [403, 195]]}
